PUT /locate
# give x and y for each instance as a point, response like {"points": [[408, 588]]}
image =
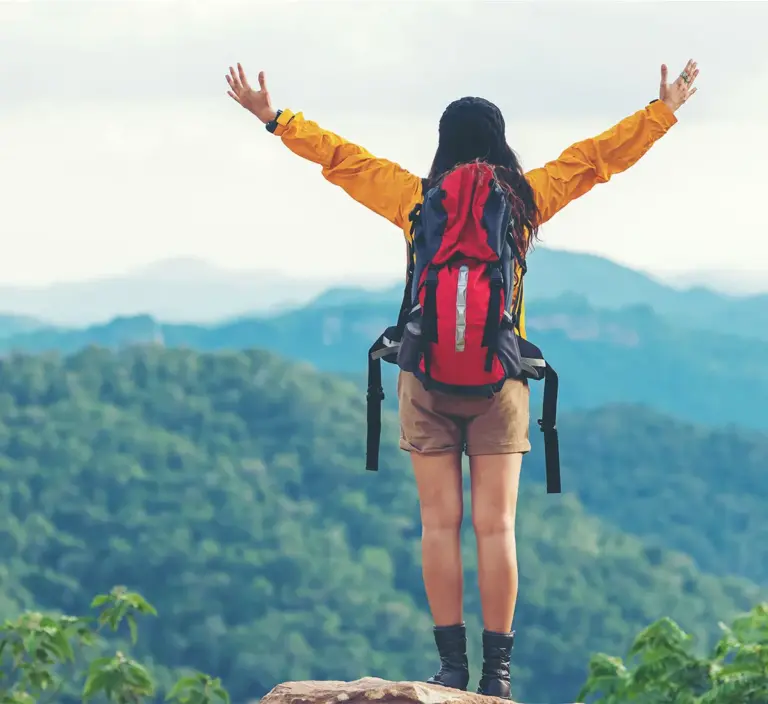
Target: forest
{"points": [[228, 488]]}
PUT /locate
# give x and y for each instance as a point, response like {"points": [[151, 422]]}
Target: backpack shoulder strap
{"points": [[517, 256], [383, 347]]}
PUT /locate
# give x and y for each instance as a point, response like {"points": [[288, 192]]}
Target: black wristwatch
{"points": [[272, 124]]}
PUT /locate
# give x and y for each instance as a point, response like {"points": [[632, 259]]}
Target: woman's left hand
{"points": [[256, 101], [677, 93]]}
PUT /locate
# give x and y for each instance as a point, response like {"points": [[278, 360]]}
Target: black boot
{"points": [[497, 650], [452, 646]]}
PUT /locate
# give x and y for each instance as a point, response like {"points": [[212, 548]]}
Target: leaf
{"points": [[140, 604], [221, 693], [132, 628], [137, 674], [182, 684], [63, 647], [96, 682], [100, 664]]}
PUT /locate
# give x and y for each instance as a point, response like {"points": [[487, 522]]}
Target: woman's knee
{"points": [[487, 523], [442, 516]]}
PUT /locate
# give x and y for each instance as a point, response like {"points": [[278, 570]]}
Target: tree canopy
{"points": [[229, 489]]}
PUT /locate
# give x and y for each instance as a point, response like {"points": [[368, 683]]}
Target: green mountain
{"points": [[629, 355], [229, 489], [690, 488]]}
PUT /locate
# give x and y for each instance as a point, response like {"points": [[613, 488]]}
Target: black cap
{"points": [[471, 128]]}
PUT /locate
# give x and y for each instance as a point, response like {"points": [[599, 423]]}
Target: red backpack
{"points": [[456, 331]]}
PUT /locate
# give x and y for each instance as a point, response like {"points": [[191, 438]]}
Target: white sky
{"points": [[119, 146]]}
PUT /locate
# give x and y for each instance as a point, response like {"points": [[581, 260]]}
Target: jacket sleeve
{"points": [[585, 164], [380, 185]]}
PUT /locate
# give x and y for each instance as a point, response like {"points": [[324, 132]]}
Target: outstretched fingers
{"points": [[235, 85], [241, 75], [232, 92], [664, 73], [234, 81], [263, 82], [692, 75], [689, 73]]}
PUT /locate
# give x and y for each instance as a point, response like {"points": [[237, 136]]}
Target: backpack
{"points": [[456, 331]]}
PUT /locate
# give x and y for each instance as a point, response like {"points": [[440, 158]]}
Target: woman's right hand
{"points": [[255, 101], [677, 93]]}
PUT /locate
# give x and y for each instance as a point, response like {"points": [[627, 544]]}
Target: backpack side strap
{"points": [[548, 426], [373, 399]]}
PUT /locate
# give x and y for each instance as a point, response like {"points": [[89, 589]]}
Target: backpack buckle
{"points": [[375, 394]]}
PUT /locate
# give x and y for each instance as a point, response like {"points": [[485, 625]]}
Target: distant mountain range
{"points": [[603, 284], [614, 334], [739, 283], [196, 292], [627, 355], [14, 324], [175, 290]]}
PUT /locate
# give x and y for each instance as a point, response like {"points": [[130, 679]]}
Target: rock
{"points": [[372, 689]]}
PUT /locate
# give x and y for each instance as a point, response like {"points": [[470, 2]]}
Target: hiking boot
{"points": [[497, 650], [451, 644]]}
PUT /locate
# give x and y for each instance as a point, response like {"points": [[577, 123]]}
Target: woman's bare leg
{"points": [[438, 478], [495, 483]]}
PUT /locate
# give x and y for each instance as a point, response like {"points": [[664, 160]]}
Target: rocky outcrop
{"points": [[372, 689]]}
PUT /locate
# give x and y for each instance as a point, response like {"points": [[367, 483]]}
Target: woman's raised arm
{"points": [[380, 185], [585, 164]]}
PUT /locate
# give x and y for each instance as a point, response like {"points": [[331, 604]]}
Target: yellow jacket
{"points": [[391, 191]]}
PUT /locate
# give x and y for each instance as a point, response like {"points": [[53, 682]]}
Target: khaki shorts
{"points": [[432, 422]]}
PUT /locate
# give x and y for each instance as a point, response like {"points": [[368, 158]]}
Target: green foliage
{"points": [[697, 490], [38, 654], [663, 668], [32, 646], [230, 487]]}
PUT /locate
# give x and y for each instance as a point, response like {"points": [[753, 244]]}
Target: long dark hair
{"points": [[472, 129]]}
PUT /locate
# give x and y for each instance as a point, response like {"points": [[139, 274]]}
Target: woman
{"points": [[436, 428]]}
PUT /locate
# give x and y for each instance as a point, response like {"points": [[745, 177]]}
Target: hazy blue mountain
{"points": [[608, 285], [176, 290], [196, 292], [629, 355], [605, 284], [739, 283], [15, 324]]}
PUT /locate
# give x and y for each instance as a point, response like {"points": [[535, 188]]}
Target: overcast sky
{"points": [[119, 146]]}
